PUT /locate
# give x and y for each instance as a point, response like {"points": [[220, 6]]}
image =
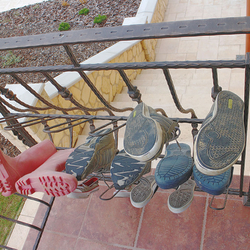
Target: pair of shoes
{"points": [[85, 188], [95, 155], [36, 169], [221, 139], [146, 132]]}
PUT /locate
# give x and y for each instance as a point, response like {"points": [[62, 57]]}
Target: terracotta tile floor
{"points": [[115, 225]]}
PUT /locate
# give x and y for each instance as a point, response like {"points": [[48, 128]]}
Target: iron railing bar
{"points": [[216, 88], [48, 129], [246, 110], [133, 65], [65, 93], [186, 28], [20, 222], [27, 123], [21, 133], [97, 93], [174, 95], [8, 248], [133, 92], [45, 218], [33, 199], [39, 97], [71, 55], [100, 117]]}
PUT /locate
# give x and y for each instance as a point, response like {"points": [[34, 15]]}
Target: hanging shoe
{"points": [[13, 168], [49, 178], [221, 139], [214, 185], [146, 132], [143, 192], [181, 198], [125, 170], [85, 188], [175, 168], [95, 155]]}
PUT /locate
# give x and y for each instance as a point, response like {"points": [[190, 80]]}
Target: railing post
{"points": [[248, 35]]}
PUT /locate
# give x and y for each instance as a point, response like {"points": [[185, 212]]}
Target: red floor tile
{"points": [[228, 228], [52, 241], [162, 229], [67, 215], [91, 245], [114, 221]]}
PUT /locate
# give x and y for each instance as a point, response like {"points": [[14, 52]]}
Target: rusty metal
{"points": [[174, 95], [187, 28]]}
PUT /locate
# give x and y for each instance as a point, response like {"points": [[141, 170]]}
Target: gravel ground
{"points": [[45, 17]]}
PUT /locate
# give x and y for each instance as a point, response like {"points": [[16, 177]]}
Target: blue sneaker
{"points": [[221, 139], [214, 185], [125, 170], [95, 155], [175, 168], [146, 132]]}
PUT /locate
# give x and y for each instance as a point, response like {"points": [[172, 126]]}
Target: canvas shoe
{"points": [[126, 170], [181, 198], [214, 185], [221, 139], [13, 168], [176, 167], [95, 155], [49, 178], [84, 189], [146, 132], [143, 192]]}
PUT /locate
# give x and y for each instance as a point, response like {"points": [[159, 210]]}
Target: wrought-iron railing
{"points": [[35, 115]]}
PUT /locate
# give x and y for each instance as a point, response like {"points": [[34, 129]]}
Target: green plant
{"points": [[100, 18], [10, 59], [64, 26], [84, 11]]}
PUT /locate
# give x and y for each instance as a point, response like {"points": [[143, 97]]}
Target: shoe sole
{"points": [[80, 195], [221, 140], [143, 193], [214, 185], [124, 175], [51, 183], [175, 168], [8, 180], [143, 135], [182, 198]]}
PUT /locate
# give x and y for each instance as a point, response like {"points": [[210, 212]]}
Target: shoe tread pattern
{"points": [[214, 185], [125, 171], [221, 141], [51, 185], [175, 168], [140, 133]]}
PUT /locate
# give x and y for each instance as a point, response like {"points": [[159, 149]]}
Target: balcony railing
{"points": [[69, 120]]}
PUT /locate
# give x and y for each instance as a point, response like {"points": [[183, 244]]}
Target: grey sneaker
{"points": [[95, 155], [146, 133], [221, 139], [181, 198], [143, 192]]}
